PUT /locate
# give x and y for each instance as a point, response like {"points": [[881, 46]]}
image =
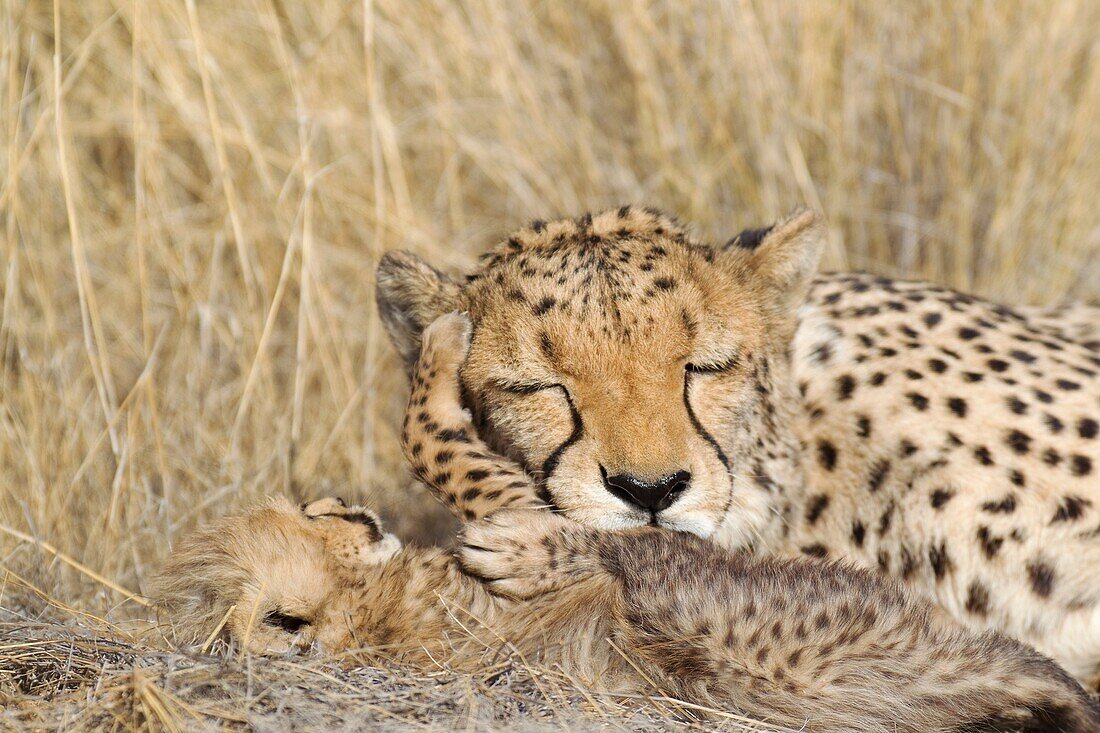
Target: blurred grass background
{"points": [[193, 196]]}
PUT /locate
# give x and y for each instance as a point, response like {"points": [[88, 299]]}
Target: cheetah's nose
{"points": [[653, 496]]}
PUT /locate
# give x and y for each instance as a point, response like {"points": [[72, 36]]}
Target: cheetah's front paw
{"points": [[444, 346], [523, 553]]}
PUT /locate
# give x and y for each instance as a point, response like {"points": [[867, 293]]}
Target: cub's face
{"points": [[630, 369], [276, 574]]}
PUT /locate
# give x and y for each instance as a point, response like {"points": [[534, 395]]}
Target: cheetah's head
{"points": [[640, 375], [273, 577]]}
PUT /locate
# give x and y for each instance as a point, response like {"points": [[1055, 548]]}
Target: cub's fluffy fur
{"points": [[793, 642]]}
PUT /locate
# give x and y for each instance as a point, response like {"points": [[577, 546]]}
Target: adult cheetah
{"points": [[727, 391], [601, 607]]}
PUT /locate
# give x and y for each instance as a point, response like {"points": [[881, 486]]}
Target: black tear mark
{"points": [[551, 463], [701, 430]]}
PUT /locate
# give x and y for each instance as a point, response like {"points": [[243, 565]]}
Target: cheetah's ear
{"points": [[785, 255], [410, 295]]}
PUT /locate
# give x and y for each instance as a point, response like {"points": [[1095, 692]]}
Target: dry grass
{"points": [[193, 194]]}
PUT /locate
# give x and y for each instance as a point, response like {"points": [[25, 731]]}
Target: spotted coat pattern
{"points": [[939, 438], [635, 612]]}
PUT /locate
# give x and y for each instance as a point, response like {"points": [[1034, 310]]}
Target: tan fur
{"points": [[941, 439], [785, 641]]}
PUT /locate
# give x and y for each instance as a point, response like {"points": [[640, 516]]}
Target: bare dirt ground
{"points": [[193, 196]]}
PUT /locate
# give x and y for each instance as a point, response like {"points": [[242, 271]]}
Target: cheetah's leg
{"points": [[439, 438], [522, 553]]}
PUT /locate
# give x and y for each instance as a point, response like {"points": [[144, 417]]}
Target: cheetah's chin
{"points": [[619, 520]]}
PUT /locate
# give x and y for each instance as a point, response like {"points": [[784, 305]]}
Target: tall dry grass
{"points": [[193, 195]]}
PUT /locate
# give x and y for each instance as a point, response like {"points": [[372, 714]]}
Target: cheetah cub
{"points": [[784, 641]]}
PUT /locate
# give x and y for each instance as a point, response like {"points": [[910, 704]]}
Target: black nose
{"points": [[653, 496]]}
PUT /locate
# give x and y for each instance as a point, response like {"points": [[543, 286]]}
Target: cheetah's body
{"points": [[935, 436], [953, 443]]}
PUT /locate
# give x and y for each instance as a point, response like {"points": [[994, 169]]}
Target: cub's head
{"points": [[274, 574], [640, 375]]}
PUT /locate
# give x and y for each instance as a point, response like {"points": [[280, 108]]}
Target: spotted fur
{"points": [[939, 438], [632, 612]]}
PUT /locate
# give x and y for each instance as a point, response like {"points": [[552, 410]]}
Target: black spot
{"points": [[1071, 509], [884, 561], [931, 319], [983, 455], [1051, 457], [750, 238], [966, 334], [957, 405], [908, 563], [823, 352], [452, 435], [990, 544], [1053, 423], [1016, 477], [906, 448], [858, 533], [845, 385], [444, 456], [918, 400], [939, 497], [940, 560], [1045, 397], [664, 283], [1007, 505], [1068, 385], [1080, 465], [1022, 356], [885, 519], [977, 599], [1042, 578], [477, 474], [826, 455], [817, 505], [815, 550], [939, 366], [1018, 441], [973, 376], [1087, 428], [877, 379], [543, 306], [913, 374], [863, 426], [997, 365], [878, 475]]}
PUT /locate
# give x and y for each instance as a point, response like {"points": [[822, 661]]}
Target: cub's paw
{"points": [[523, 553], [351, 534]]}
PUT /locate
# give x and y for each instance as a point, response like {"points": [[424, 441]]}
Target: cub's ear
{"points": [[410, 295], [785, 255]]}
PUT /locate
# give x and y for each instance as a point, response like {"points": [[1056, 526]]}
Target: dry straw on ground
{"points": [[193, 194]]}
